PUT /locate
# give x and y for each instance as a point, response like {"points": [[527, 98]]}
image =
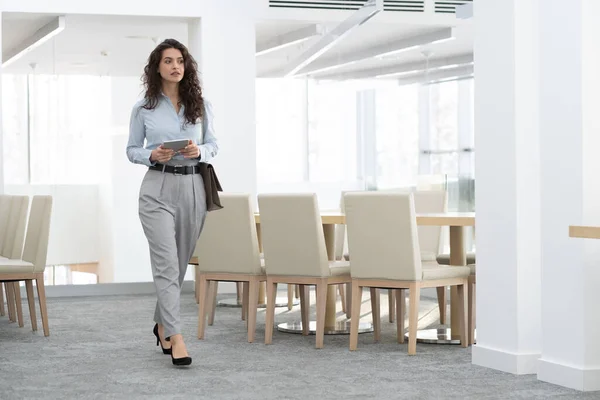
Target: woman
{"points": [[172, 202]]}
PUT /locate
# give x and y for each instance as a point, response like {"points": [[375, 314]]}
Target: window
{"points": [[280, 130], [69, 116], [327, 136], [397, 136], [332, 120], [14, 129]]}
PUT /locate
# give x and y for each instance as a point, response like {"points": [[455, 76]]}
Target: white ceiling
{"points": [[120, 45]]}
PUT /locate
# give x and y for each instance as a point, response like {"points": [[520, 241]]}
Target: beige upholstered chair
{"points": [[228, 251], [31, 265], [295, 252], [12, 248], [444, 258], [5, 203], [431, 201], [384, 244], [341, 253]]}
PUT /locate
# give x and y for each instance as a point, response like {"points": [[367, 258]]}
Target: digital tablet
{"points": [[175, 144]]}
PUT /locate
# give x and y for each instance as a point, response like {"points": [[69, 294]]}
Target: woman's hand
{"points": [[190, 151], [161, 155]]}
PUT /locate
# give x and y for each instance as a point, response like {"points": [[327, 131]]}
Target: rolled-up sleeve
{"points": [[136, 152], [209, 148]]}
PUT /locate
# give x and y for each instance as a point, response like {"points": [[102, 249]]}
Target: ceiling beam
{"points": [[41, 36], [289, 38], [438, 76], [399, 69], [330, 39], [464, 11], [386, 50]]}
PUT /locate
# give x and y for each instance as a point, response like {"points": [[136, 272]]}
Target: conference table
{"points": [[457, 221], [585, 232]]}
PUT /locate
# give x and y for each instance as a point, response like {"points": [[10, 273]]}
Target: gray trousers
{"points": [[172, 210]]}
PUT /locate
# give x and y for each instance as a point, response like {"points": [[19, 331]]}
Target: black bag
{"points": [[212, 187]]}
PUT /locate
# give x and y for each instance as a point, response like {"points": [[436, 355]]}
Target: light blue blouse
{"points": [[162, 124]]}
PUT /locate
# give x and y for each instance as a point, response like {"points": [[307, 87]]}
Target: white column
{"points": [[223, 43], [507, 188], [570, 128]]}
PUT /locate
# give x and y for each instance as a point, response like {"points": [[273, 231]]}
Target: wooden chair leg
{"points": [[245, 300], [304, 307], [342, 296], [270, 317], [251, 306], [413, 317], [18, 303], [213, 288], [238, 292], [400, 313], [462, 317], [375, 312], [297, 291], [10, 301], [348, 301], [2, 309], [39, 282], [321, 306], [204, 296], [391, 305], [31, 301], [290, 290], [471, 313], [442, 301], [355, 317], [197, 283]]}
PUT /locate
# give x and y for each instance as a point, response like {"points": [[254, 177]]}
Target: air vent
{"points": [[405, 6], [388, 5], [449, 6], [326, 5]]}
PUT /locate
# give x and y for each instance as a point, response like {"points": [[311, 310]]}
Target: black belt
{"points": [[177, 169]]}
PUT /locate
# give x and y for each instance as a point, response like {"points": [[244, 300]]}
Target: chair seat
{"points": [[339, 268], [433, 271], [444, 259], [15, 266]]}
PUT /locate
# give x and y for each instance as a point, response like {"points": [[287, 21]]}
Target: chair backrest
{"points": [[427, 201], [382, 236], [38, 231], [229, 242], [292, 235], [5, 205], [434, 201], [15, 229], [341, 238]]}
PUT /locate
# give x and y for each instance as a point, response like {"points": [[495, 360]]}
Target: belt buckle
{"points": [[176, 168]]}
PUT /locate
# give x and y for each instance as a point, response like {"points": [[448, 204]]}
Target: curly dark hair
{"points": [[190, 91]]}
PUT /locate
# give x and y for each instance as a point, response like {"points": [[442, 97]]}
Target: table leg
{"points": [[458, 257], [330, 317]]}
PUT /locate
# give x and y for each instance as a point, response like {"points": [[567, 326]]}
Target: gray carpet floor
{"points": [[103, 348]]}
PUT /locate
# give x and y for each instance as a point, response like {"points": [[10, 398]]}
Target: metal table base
{"points": [[340, 328], [279, 302], [436, 336]]}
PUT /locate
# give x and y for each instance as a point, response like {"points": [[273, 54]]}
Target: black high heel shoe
{"points": [[181, 362], [165, 351]]}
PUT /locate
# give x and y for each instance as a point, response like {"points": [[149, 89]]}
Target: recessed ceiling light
{"points": [[137, 37]]}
